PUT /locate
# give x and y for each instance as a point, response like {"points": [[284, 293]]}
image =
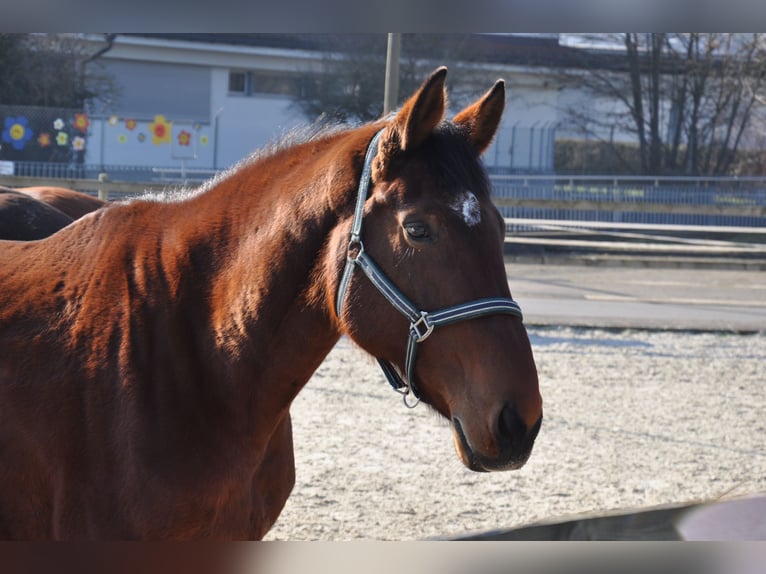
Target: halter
{"points": [[422, 323]]}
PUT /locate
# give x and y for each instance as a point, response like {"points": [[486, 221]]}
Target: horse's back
{"points": [[73, 203], [23, 218]]}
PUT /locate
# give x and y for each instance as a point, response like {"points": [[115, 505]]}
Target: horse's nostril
{"points": [[510, 427]]}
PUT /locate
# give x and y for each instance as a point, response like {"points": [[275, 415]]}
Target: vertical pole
{"points": [[215, 138], [513, 144], [103, 123], [392, 73], [103, 193]]}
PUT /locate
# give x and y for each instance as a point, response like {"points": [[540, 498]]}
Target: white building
{"points": [[205, 101]]}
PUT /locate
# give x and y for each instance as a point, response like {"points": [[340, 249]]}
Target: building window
{"points": [[271, 83], [277, 84], [238, 83]]}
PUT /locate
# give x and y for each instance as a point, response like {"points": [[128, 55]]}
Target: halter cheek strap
{"points": [[422, 323]]}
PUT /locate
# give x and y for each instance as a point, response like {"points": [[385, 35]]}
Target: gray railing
{"points": [[646, 213], [183, 175], [114, 172], [638, 200], [660, 216]]}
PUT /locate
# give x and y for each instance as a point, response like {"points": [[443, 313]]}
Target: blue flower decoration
{"points": [[17, 132]]}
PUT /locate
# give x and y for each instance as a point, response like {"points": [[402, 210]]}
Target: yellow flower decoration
{"points": [[160, 129]]}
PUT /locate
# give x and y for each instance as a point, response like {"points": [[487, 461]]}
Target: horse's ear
{"points": [[481, 119], [419, 115]]}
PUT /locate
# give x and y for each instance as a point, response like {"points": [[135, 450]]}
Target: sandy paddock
{"points": [[633, 419]]}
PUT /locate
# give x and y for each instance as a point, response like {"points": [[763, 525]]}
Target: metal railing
{"points": [[651, 214], [183, 175], [680, 216], [737, 202], [114, 172]]}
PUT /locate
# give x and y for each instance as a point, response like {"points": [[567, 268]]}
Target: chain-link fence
{"points": [[36, 134]]}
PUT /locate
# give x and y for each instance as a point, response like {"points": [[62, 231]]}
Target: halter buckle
{"points": [[355, 249], [421, 329]]}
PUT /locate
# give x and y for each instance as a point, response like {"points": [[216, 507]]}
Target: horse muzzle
{"points": [[512, 438]]}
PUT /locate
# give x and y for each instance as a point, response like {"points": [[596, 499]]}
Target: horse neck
{"points": [[271, 297]]}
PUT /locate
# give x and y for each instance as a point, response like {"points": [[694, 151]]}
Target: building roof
{"points": [[506, 49]]}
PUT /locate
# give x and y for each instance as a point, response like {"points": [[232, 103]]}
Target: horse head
{"points": [[435, 307]]}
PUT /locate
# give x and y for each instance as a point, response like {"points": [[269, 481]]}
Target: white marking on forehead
{"points": [[468, 206]]}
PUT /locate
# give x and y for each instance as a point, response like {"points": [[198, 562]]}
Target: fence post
{"points": [[103, 194]]}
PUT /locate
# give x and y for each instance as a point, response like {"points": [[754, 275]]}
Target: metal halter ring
{"points": [[415, 328]]}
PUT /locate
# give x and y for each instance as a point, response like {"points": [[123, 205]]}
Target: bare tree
{"points": [[350, 86], [52, 70], [689, 99]]}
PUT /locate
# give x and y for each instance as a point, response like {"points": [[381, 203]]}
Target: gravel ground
{"points": [[633, 419]]}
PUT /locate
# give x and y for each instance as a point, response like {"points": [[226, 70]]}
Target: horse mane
{"points": [[451, 160], [317, 130]]}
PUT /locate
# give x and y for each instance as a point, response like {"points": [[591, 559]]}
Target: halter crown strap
{"points": [[422, 323], [356, 226]]}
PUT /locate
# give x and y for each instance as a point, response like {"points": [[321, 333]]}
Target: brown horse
{"points": [[29, 213], [74, 203], [149, 353], [23, 218]]}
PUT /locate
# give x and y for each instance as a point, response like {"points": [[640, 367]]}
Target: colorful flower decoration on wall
{"points": [[142, 138], [62, 138], [58, 124], [122, 138], [81, 122], [113, 120], [78, 143], [17, 132], [44, 139], [184, 138], [203, 140], [160, 129], [130, 124]]}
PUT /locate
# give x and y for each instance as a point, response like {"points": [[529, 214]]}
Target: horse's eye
{"points": [[417, 230]]}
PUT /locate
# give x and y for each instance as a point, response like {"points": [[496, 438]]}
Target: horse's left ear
{"points": [[481, 119], [418, 117]]}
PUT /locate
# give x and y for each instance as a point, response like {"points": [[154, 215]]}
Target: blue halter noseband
{"points": [[422, 323]]}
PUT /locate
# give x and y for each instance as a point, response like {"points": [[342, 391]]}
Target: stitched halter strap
{"points": [[422, 323]]}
